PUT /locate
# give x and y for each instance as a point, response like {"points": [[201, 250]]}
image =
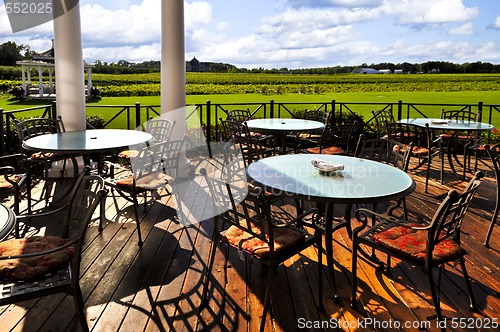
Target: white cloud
{"points": [[496, 25], [465, 29]]}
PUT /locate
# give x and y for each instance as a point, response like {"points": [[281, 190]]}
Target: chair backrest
{"points": [[382, 117], [232, 129], [160, 129], [339, 135], [421, 137], [318, 115], [250, 215], [239, 115], [450, 214], [88, 192], [38, 126], [251, 149], [163, 157], [462, 115], [15, 174], [384, 150]]}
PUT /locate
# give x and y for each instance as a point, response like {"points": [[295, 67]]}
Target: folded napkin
{"points": [[326, 166]]}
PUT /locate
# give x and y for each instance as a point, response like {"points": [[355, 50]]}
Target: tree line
{"points": [[10, 53]]}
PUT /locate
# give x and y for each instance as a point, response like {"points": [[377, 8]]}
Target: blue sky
{"points": [[288, 33]]}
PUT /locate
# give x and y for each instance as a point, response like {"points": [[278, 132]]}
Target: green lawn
{"points": [[371, 98]]}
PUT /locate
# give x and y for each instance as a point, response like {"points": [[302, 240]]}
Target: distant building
{"points": [[365, 71], [398, 71], [195, 66], [385, 71]]}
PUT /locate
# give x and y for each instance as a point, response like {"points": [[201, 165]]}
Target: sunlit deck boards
{"points": [[158, 287]]}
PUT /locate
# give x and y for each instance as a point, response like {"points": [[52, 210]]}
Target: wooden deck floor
{"points": [[158, 287]]}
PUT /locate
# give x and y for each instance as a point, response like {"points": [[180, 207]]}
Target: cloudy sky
{"points": [[288, 33]]}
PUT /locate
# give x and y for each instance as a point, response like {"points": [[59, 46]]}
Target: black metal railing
{"points": [[133, 116]]}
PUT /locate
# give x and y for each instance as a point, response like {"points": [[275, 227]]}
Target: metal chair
{"points": [[425, 147], [386, 151], [426, 245], [13, 178], [154, 166], [239, 115], [312, 137], [494, 154], [250, 229], [43, 265], [160, 129], [382, 117], [40, 126], [335, 139]]}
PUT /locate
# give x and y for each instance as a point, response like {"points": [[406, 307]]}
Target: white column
{"points": [[173, 65], [89, 81], [70, 93], [40, 81], [173, 68], [23, 75]]}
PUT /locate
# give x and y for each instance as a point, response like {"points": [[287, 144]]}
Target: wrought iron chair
{"points": [[386, 151], [14, 174], [43, 265], [335, 140], [239, 115], [312, 137], [40, 126], [464, 140], [153, 168], [160, 129], [251, 229], [425, 147], [426, 245], [494, 154], [382, 117], [233, 129]]}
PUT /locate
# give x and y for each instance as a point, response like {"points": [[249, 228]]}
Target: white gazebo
{"points": [[47, 89]]}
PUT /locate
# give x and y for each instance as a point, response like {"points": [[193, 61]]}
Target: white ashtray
{"points": [[441, 121], [326, 167]]}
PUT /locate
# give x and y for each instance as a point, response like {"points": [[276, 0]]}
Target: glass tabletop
{"points": [[361, 181], [284, 124], [448, 124], [87, 140], [7, 221]]}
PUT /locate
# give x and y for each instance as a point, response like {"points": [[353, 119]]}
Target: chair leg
{"points": [[472, 303], [80, 308], [267, 299], [435, 298], [215, 240], [354, 266], [492, 224], [137, 220]]}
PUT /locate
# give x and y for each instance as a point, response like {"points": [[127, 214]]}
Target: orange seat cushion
{"points": [[283, 238], [149, 182], [127, 154], [46, 155], [33, 267], [413, 243], [328, 150], [4, 184]]}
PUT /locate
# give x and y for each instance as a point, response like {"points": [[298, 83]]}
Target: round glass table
{"points": [[7, 221], [284, 126], [361, 181]]}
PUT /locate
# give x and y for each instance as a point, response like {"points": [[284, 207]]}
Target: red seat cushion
{"points": [[413, 243], [283, 238], [4, 184], [329, 150], [33, 267]]}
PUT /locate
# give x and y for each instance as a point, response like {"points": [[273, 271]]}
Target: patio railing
{"points": [[133, 116]]}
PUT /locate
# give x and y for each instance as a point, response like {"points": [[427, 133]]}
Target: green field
{"points": [[460, 89]]}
